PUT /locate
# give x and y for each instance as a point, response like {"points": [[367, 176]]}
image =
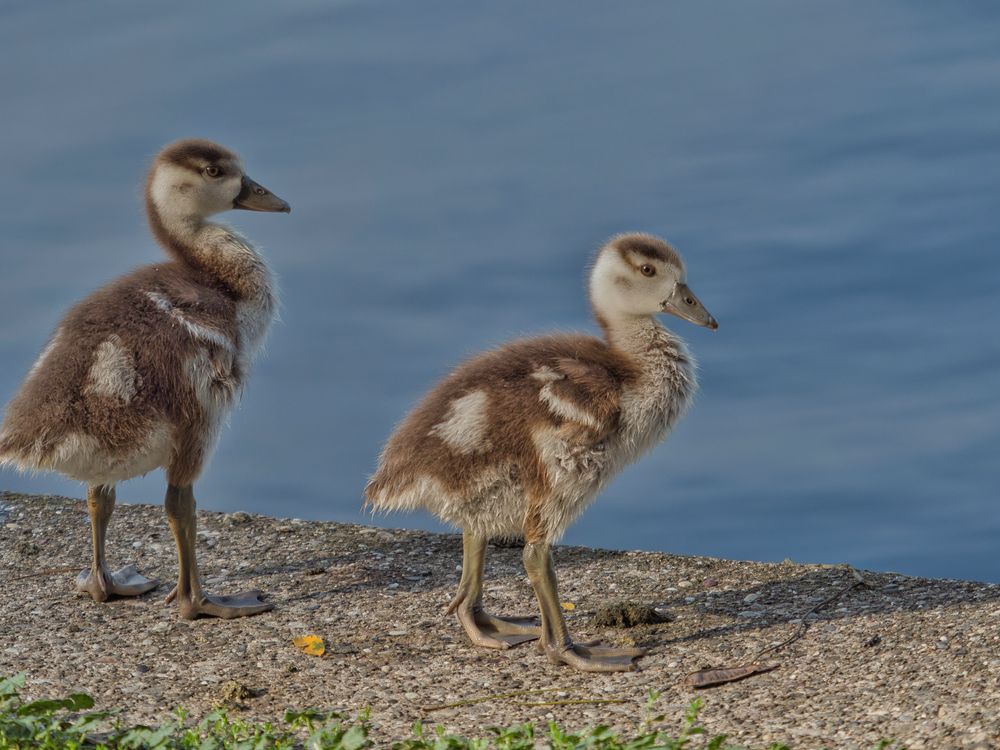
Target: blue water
{"points": [[830, 173]]}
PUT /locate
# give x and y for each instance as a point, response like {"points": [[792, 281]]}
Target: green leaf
{"points": [[80, 702], [356, 738], [11, 686], [42, 707]]}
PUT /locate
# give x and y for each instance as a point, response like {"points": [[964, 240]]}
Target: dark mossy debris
{"points": [[623, 614]]}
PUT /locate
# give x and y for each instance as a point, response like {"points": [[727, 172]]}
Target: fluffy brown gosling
{"points": [[141, 374], [520, 440]]}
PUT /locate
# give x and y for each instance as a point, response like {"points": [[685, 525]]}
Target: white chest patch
{"points": [[651, 407], [113, 371], [210, 374], [256, 312], [253, 318], [464, 429]]}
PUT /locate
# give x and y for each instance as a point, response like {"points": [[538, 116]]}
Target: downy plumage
{"points": [[519, 440], [141, 374]]}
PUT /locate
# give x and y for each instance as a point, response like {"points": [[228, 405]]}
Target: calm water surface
{"points": [[831, 175]]}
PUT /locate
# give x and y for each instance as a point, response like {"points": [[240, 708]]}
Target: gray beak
{"points": [[255, 197], [684, 304]]}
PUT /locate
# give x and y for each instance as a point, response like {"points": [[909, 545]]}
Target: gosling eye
{"points": [[213, 171], [647, 270]]}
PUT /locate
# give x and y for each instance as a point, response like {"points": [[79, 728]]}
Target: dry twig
{"points": [[486, 699], [712, 676], [48, 572]]}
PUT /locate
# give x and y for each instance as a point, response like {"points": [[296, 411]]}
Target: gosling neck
{"points": [[213, 249], [639, 335]]}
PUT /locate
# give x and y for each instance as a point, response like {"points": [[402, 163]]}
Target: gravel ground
{"points": [[911, 659]]}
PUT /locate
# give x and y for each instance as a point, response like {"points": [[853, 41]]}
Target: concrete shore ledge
{"points": [[912, 659]]}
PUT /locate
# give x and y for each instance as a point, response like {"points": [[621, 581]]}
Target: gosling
{"points": [[519, 440], [142, 373]]}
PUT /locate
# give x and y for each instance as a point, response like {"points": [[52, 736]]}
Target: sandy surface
{"points": [[913, 659]]}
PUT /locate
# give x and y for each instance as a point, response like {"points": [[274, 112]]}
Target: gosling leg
{"points": [[484, 629], [194, 602], [99, 582], [556, 642]]}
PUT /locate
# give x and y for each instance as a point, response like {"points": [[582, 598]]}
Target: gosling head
{"points": [[637, 275], [194, 179]]}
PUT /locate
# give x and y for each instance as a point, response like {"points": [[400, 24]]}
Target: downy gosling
{"points": [[142, 373], [519, 440]]}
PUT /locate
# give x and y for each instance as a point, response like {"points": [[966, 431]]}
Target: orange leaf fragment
{"points": [[568, 606], [310, 644]]}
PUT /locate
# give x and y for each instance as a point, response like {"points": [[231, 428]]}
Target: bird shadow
{"points": [[820, 594]]}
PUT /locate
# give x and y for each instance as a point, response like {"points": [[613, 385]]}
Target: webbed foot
{"points": [[226, 607], [491, 631], [593, 657], [103, 584]]}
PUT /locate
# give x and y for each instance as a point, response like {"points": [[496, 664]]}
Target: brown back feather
{"points": [[55, 402], [586, 371]]}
